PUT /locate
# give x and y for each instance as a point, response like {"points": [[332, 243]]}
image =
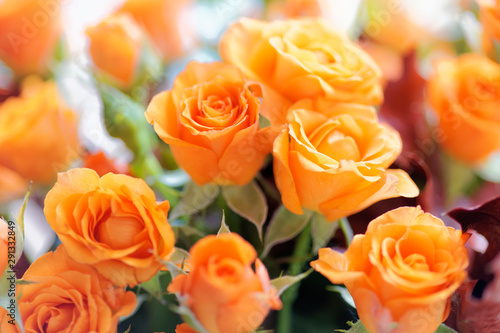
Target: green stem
{"points": [[346, 230], [153, 168], [301, 250]]}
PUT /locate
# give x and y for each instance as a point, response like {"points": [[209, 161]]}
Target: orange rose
{"points": [[112, 223], [210, 119], [402, 272], [115, 47], [222, 290], [465, 94], [165, 22], [12, 185], [333, 158], [301, 59], [101, 164], [29, 33], [490, 17], [390, 24], [7, 323], [38, 132], [68, 296]]}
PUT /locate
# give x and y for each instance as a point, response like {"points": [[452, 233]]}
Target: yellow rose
{"points": [[301, 59]]}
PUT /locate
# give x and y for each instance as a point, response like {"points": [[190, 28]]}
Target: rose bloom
{"points": [[465, 94], [222, 290], [402, 272], [210, 119], [29, 33], [38, 133], [113, 223], [301, 59], [165, 22], [489, 14], [101, 164], [12, 185], [334, 158], [67, 296], [5, 322], [115, 48]]}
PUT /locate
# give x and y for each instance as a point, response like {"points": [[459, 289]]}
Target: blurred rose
{"points": [[301, 59], [12, 185], [113, 223], [334, 158], [38, 134], [490, 17], [390, 24], [67, 296], [7, 323], [222, 290], [210, 119], [166, 23], [115, 47], [29, 33], [101, 164], [465, 94], [402, 272]]}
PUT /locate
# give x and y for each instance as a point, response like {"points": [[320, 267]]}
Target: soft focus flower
{"points": [[334, 158], [38, 133], [67, 296], [301, 59], [115, 47], [389, 23], [222, 290], [112, 223], [490, 18], [12, 185], [165, 21], [402, 272], [29, 33], [210, 119], [101, 164], [7, 323], [465, 94]]}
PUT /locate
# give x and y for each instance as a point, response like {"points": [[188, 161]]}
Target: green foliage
{"points": [[284, 226], [249, 202]]}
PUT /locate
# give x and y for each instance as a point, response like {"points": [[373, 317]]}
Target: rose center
{"points": [[118, 231]]}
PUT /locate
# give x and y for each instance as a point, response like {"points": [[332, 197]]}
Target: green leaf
{"points": [[194, 199], [284, 226], [445, 329], [153, 286], [188, 316], [249, 202], [346, 230], [124, 119], [357, 328], [344, 293], [224, 229], [322, 231], [284, 282]]}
